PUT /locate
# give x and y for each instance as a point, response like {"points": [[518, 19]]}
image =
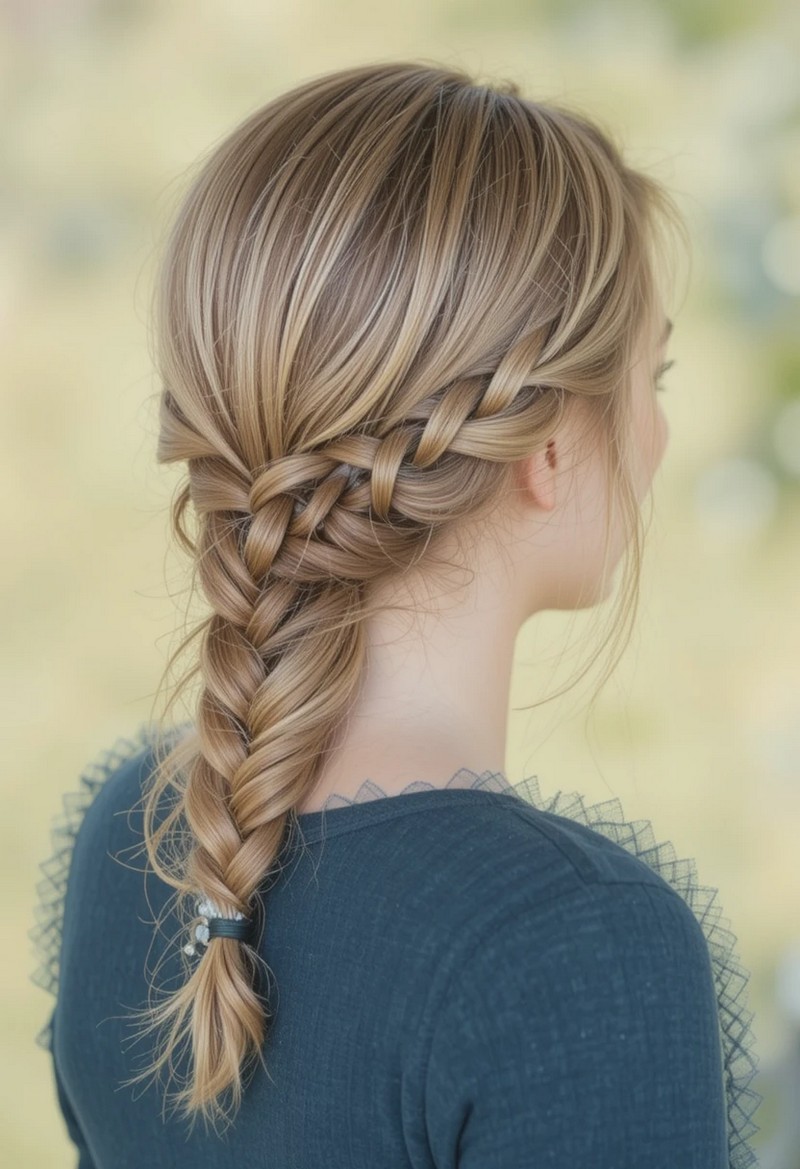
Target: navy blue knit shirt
{"points": [[461, 979]]}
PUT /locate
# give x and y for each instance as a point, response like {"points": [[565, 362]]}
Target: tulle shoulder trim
{"points": [[51, 889], [740, 1065]]}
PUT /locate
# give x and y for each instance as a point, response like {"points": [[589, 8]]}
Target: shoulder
{"points": [[109, 783], [605, 996], [515, 896], [530, 880], [110, 777], [520, 896], [595, 841], [570, 965], [489, 857]]}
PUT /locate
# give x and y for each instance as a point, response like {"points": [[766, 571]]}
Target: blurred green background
{"points": [[105, 106]]}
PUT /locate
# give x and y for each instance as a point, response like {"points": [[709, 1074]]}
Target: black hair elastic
{"points": [[228, 927], [213, 924]]}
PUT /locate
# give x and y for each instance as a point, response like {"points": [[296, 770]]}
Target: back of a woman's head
{"points": [[382, 290]]}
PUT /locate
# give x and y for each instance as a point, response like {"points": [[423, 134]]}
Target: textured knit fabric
{"points": [[459, 980]]}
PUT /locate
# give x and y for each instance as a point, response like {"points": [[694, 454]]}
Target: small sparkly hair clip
{"points": [[215, 925]]}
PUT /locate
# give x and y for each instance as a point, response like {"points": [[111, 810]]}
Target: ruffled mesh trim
{"points": [[369, 790], [51, 889], [740, 1064]]}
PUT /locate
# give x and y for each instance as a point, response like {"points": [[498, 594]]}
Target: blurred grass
{"points": [[105, 106]]}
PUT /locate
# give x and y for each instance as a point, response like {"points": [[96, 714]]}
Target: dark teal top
{"points": [[461, 977]]}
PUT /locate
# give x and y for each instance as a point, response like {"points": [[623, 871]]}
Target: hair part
{"points": [[381, 291]]}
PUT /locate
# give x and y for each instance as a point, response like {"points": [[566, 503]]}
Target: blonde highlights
{"points": [[381, 291]]}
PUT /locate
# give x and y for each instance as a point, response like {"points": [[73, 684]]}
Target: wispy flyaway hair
{"points": [[380, 291]]}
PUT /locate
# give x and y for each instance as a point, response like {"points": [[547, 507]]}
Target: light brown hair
{"points": [[380, 291]]}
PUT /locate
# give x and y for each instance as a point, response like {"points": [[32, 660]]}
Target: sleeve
{"points": [[50, 893], [46, 934], [85, 1159], [584, 1032]]}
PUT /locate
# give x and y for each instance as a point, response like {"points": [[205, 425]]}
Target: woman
{"points": [[409, 333]]}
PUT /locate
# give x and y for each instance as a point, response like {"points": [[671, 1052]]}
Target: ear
{"points": [[538, 476]]}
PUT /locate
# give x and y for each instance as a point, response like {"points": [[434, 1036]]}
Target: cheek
{"points": [[654, 434], [663, 434]]}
